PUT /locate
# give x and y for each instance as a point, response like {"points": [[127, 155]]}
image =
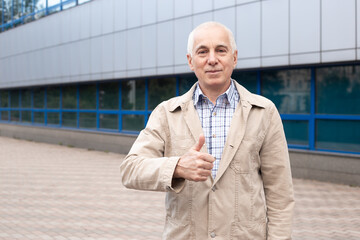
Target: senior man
{"points": [[218, 151]]}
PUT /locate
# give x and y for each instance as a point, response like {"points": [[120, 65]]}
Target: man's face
{"points": [[212, 58]]}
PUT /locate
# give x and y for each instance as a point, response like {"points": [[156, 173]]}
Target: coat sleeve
{"points": [[276, 174], [145, 167]]}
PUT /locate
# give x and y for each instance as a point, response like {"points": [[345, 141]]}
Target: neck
{"points": [[213, 93]]}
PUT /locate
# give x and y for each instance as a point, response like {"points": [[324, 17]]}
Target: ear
{"points": [[189, 58], [235, 56]]}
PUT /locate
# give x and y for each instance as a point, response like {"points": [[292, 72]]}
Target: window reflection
{"points": [[14, 99], [161, 89], [288, 89], [133, 122], [26, 98], [337, 90], [343, 135], [17, 9], [133, 95], [186, 82], [4, 99], [87, 96], [109, 96], [7, 10], [247, 79], [39, 98], [69, 97]]}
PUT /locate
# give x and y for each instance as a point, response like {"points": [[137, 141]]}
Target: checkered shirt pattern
{"points": [[215, 120]]}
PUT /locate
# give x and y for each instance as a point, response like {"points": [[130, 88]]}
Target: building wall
{"points": [[111, 39]]}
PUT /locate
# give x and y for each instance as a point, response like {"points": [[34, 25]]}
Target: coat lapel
{"points": [[235, 135]]}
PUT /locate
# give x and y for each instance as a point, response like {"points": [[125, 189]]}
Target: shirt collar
{"points": [[229, 94]]}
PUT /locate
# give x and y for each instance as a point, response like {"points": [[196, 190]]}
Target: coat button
{"points": [[212, 235], [213, 188]]}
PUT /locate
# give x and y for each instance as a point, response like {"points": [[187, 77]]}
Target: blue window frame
{"points": [[318, 105]]}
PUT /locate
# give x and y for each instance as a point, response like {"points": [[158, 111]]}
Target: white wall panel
{"points": [[248, 63], [107, 56], [305, 58], [108, 16], [335, 56], [95, 19], [275, 27], [246, 1], [226, 17], [75, 58], [148, 11], [165, 44], [183, 8], [223, 3], [95, 55], [74, 26], [134, 16], [133, 51], [201, 18], [202, 6], [148, 47], [165, 10], [120, 16], [65, 22], [248, 35], [274, 61], [182, 29], [338, 24], [46, 65], [84, 21], [304, 26], [84, 51], [120, 51]]}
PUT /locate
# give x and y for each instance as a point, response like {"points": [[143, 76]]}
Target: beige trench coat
{"points": [[252, 194]]}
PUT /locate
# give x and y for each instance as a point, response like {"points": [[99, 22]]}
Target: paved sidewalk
{"points": [[62, 193]]}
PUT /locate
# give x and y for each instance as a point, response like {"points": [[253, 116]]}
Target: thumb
{"points": [[200, 143]]}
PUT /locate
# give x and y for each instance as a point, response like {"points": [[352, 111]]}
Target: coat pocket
{"points": [[250, 230]]}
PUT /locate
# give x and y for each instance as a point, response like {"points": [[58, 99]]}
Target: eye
{"points": [[201, 52]]}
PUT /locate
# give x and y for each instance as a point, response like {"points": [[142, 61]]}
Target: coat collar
{"points": [[245, 97]]}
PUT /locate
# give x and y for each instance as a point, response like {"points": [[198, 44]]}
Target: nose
{"points": [[212, 59]]}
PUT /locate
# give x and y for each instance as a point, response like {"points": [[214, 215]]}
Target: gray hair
{"points": [[207, 24]]}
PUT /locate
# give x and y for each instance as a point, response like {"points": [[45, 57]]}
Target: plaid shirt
{"points": [[215, 120]]}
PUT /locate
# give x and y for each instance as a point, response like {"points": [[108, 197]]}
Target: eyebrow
{"points": [[218, 46]]}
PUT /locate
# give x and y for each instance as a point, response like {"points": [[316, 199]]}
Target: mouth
{"points": [[212, 71]]}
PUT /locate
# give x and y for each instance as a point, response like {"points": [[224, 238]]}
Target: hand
{"points": [[195, 165]]}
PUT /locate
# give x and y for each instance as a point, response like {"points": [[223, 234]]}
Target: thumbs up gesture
{"points": [[195, 165]]}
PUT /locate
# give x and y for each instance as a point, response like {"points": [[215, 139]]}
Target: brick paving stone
{"points": [[61, 193]]}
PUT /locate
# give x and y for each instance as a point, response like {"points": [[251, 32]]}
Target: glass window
{"points": [[337, 90], [7, 10], [39, 117], [40, 6], [5, 115], [109, 121], [17, 9], [133, 95], [186, 82], [247, 79], [161, 89], [109, 96], [297, 132], [28, 8], [133, 122], [342, 135], [26, 116], [26, 98], [53, 6], [15, 103], [15, 116], [69, 119], [4, 99], [39, 98], [87, 120], [87, 96], [53, 118], [69, 97], [53, 98], [83, 1], [288, 89], [68, 4]]}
